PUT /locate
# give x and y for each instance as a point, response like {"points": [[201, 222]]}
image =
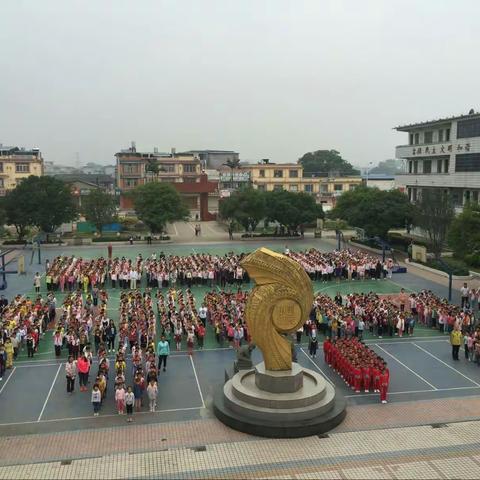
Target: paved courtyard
{"points": [[429, 428]]}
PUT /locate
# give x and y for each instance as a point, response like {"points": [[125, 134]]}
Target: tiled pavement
{"points": [[207, 449]]}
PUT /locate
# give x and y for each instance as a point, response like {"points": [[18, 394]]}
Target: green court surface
{"points": [[46, 350]]}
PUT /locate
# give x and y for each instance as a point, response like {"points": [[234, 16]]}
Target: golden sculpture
{"points": [[279, 304]]}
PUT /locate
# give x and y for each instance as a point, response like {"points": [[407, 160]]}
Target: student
{"points": [[96, 400], [3, 361], [129, 401], [152, 391], [163, 349], [138, 389], [312, 346], [120, 394], [83, 367], [37, 282], [70, 373]]}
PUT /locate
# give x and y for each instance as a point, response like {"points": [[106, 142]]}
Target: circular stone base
{"points": [[314, 409]]}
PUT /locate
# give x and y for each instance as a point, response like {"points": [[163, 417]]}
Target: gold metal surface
{"points": [[279, 304]]}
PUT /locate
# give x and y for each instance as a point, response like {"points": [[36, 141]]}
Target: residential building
{"points": [[289, 176], [16, 164], [177, 168], [443, 153], [214, 159], [82, 184]]}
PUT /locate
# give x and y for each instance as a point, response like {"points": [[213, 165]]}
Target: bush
{"points": [[123, 238], [458, 267], [400, 242], [335, 224], [473, 259], [268, 235]]}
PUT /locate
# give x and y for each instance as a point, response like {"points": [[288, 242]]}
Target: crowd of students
{"points": [[23, 325], [70, 273]]}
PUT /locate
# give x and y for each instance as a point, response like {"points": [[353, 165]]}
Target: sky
{"points": [[81, 79]]}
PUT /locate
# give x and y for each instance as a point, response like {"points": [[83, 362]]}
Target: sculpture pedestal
{"points": [[282, 404]]}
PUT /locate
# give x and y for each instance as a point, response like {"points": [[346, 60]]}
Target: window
{"points": [[410, 139], [277, 188], [166, 168], [1, 183], [410, 166], [417, 138], [293, 188], [190, 169], [278, 173], [415, 166], [446, 165], [447, 135], [427, 166], [475, 196], [467, 162], [468, 128], [308, 188], [1, 167], [440, 135], [22, 167], [131, 182], [428, 137], [414, 194], [261, 188], [338, 187], [293, 173], [130, 168], [353, 186], [439, 165], [261, 173]]}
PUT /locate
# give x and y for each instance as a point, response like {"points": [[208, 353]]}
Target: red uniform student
{"points": [[367, 376], [327, 345], [376, 378], [384, 381], [357, 378]]}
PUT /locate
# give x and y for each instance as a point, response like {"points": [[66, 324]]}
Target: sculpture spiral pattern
{"points": [[278, 305]]}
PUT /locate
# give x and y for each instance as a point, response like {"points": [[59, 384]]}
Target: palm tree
{"points": [[153, 167], [233, 164]]}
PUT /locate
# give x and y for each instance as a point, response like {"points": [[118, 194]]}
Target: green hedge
{"points": [[124, 239], [458, 267]]}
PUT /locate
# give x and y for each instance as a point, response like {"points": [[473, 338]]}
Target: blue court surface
{"points": [[34, 398]]}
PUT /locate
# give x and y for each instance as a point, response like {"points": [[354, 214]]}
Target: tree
{"points": [[233, 164], [17, 212], [292, 209], [434, 213], [391, 166], [324, 162], [157, 204], [376, 211], [45, 202], [464, 231], [99, 208], [246, 206]]}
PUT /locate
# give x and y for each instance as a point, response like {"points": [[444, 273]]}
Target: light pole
{"points": [[368, 169]]}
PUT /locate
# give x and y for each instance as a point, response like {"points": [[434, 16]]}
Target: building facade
{"points": [[443, 153], [289, 176], [134, 168], [214, 159], [16, 164]]}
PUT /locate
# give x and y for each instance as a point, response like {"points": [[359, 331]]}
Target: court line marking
{"points": [[68, 419], [198, 383], [413, 391], [373, 341], [49, 393], [446, 364], [7, 380], [318, 368], [408, 368]]}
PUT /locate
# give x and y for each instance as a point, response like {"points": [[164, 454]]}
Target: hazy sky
{"points": [[267, 78]]}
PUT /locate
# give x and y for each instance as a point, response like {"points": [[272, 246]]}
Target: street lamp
{"points": [[368, 169]]}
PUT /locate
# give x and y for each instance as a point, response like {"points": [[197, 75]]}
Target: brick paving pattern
{"points": [[359, 448]]}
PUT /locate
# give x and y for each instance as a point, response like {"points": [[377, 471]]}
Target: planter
{"points": [[272, 237]]}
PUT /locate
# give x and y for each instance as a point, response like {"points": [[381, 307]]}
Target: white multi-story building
{"points": [[443, 153]]}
